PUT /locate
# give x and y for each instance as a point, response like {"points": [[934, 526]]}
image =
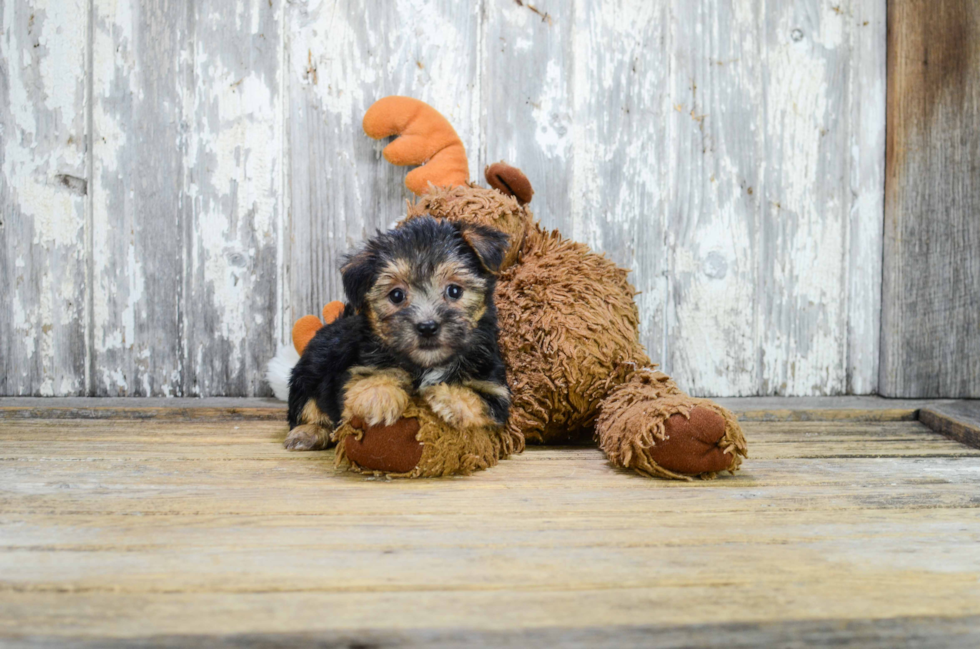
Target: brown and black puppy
{"points": [[419, 319]]}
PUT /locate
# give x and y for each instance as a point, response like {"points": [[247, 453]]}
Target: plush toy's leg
{"points": [[421, 445], [648, 425]]}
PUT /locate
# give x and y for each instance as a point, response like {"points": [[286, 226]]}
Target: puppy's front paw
{"points": [[457, 406], [379, 405], [307, 437], [377, 398]]}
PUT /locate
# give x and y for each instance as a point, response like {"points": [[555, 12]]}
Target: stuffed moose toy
{"points": [[568, 334]]}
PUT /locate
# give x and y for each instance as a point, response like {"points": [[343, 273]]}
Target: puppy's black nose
{"points": [[427, 328]]}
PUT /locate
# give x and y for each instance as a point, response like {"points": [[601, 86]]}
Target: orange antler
{"points": [[425, 138]]}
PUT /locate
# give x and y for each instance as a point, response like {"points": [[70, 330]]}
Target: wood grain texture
{"points": [[729, 153], [235, 277], [527, 68], [926, 631], [43, 187], [342, 58], [623, 180], [774, 198], [138, 212], [125, 530], [930, 335], [866, 94], [187, 198]]}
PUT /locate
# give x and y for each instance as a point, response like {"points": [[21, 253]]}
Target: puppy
{"points": [[419, 319]]}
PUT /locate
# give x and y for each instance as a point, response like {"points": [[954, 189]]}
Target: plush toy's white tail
{"points": [[280, 367]]}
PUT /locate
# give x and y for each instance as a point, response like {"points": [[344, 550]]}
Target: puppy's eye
{"points": [[396, 296], [454, 292]]}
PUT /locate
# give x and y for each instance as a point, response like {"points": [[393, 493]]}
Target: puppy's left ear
{"points": [[358, 275], [489, 244]]}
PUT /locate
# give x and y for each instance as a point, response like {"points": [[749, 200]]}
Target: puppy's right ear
{"points": [[358, 275]]}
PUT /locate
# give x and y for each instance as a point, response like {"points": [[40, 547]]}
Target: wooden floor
{"points": [[208, 533]]}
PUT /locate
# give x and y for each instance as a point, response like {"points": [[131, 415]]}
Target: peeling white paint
{"points": [[65, 44], [114, 70], [551, 115], [134, 270], [42, 123], [23, 324]]}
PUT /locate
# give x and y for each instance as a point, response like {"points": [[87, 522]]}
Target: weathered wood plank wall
{"points": [[931, 280], [187, 189], [43, 225], [180, 179]]}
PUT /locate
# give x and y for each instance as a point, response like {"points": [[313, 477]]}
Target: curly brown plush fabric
{"points": [[437, 449], [568, 334]]}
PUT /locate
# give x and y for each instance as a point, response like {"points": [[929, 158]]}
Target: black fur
{"points": [[324, 368]]}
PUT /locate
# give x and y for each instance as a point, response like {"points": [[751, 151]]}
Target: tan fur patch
{"points": [[473, 301], [455, 272], [458, 406], [397, 272], [474, 306], [311, 414], [376, 396]]}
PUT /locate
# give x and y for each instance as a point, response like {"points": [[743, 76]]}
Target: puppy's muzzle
{"points": [[427, 329]]}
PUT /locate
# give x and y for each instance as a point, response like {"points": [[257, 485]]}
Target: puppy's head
{"points": [[426, 285]]}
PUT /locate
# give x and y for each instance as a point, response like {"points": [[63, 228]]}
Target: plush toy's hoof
{"points": [[389, 449], [650, 426], [691, 446]]}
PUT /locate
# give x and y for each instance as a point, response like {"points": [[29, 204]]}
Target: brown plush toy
{"points": [[568, 333]]}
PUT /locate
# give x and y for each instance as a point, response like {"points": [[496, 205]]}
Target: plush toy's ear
{"points": [[510, 181], [358, 274], [425, 138], [489, 244]]}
